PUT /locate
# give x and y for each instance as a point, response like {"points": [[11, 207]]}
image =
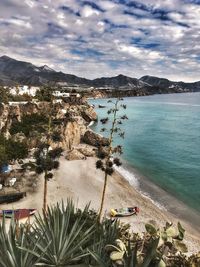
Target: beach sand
{"points": [[82, 182]]}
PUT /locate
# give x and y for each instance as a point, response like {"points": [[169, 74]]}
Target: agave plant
{"points": [[18, 247], [64, 234], [105, 233]]}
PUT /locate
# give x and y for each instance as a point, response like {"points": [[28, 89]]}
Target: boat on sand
{"points": [[124, 212], [17, 213]]}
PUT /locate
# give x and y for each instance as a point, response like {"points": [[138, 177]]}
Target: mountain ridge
{"points": [[14, 72]]}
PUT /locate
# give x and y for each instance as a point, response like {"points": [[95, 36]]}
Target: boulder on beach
{"points": [[94, 139], [89, 114], [87, 150], [75, 155]]}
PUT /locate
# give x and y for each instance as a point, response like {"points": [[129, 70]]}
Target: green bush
{"points": [[29, 123], [45, 94], [11, 150]]}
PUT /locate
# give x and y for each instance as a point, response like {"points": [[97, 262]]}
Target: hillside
{"points": [[14, 72]]}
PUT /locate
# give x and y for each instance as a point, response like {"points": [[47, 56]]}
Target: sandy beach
{"points": [[82, 182]]}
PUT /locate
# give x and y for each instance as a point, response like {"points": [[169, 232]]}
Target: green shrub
{"points": [[29, 123], [11, 150]]}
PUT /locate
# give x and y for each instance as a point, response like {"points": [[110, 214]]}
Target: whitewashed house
{"points": [[24, 89], [60, 94]]}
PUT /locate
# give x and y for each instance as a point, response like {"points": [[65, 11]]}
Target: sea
{"points": [[161, 149]]}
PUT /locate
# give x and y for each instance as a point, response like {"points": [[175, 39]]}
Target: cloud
{"points": [[104, 37]]}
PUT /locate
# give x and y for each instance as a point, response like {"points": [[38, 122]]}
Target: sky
{"points": [[105, 37]]}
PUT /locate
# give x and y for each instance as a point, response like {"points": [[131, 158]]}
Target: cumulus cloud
{"points": [[105, 37]]}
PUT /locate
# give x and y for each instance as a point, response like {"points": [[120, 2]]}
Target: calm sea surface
{"points": [[162, 143]]}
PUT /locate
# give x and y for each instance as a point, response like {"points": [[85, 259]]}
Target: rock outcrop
{"points": [[94, 139], [74, 154], [89, 114], [69, 120], [87, 150]]}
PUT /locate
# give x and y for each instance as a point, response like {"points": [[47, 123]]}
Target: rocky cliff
{"points": [[70, 121]]}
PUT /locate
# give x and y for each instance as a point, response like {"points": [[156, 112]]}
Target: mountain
{"points": [[165, 83], [19, 72], [14, 72]]}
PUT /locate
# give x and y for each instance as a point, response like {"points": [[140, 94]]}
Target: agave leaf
{"points": [[116, 255], [120, 244], [98, 259], [171, 232], [163, 238], [112, 248], [180, 246], [161, 263], [150, 229], [181, 231], [134, 261], [151, 252]]}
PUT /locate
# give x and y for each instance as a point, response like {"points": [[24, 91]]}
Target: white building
{"points": [[60, 94], [24, 89]]}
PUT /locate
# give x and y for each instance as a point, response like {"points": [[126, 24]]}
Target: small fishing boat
{"points": [[124, 212], [17, 214]]}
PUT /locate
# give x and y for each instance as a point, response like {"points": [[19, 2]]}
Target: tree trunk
{"points": [[103, 196], [45, 195], [45, 173], [108, 158]]}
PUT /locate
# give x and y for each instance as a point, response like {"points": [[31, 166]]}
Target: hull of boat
{"points": [[17, 214]]}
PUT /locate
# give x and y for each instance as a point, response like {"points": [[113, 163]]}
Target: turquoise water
{"points": [[162, 142]]}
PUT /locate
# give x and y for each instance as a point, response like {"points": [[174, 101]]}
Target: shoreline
{"points": [[157, 194], [159, 197], [81, 181]]}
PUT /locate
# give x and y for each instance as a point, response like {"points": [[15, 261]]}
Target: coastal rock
{"points": [[89, 114], [75, 155], [87, 150], [94, 139], [72, 134]]}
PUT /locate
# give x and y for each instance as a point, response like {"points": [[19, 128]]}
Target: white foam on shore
{"points": [[129, 176], [157, 204], [134, 181]]}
